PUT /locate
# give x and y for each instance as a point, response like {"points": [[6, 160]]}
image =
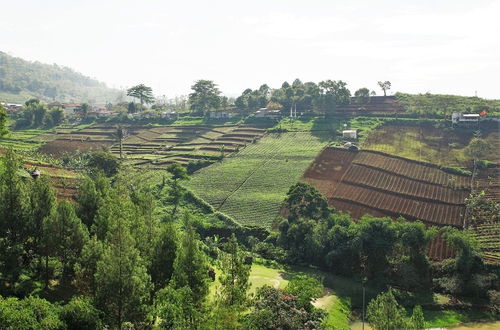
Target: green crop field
{"points": [[251, 185]]}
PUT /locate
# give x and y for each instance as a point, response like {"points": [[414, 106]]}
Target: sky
{"points": [[436, 46]]}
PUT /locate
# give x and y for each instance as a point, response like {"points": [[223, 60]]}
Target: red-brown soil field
{"points": [[368, 182]]}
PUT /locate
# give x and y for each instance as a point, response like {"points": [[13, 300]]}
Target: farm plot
{"points": [[380, 180], [441, 146], [387, 185], [251, 186], [367, 182], [406, 206], [160, 146], [488, 235], [416, 171]]}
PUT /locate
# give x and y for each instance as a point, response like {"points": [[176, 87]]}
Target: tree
{"points": [[178, 173], [275, 309], [332, 94], [120, 135], [384, 313], [205, 96], [104, 161], [362, 95], [141, 92], [305, 288], [84, 109], [13, 217], [123, 284], [56, 116], [29, 313], [79, 313], [190, 266], [377, 238], [164, 255], [305, 201], [385, 86], [42, 202], [66, 235], [234, 275], [3, 121], [478, 149]]}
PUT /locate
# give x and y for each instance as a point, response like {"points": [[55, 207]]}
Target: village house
{"points": [[268, 113], [221, 114], [465, 118], [11, 107], [350, 134]]}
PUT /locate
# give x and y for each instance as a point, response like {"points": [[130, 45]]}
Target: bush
{"points": [[79, 313]]}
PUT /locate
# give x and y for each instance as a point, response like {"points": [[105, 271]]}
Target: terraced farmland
{"points": [[157, 146], [363, 182], [251, 186]]}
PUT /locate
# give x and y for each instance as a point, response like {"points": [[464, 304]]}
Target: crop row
{"points": [[442, 214], [251, 185], [411, 169], [385, 181]]}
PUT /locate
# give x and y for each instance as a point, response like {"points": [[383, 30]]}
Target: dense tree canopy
{"points": [[205, 97], [141, 92]]}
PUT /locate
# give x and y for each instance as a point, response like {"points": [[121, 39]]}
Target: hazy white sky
{"points": [[448, 46]]}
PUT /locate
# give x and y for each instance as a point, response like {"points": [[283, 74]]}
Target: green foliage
{"points": [[205, 97], [445, 105], [480, 208], [29, 313], [164, 254], [384, 313], [274, 309], [3, 121], [175, 309], [478, 149], [234, 275], [362, 95], [141, 92], [104, 162], [305, 288], [466, 273], [22, 79], [123, 284], [385, 86], [190, 266], [80, 314], [306, 202], [65, 235]]}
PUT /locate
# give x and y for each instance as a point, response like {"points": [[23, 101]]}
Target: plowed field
{"points": [[371, 182]]}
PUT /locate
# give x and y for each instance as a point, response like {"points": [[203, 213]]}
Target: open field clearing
{"points": [[441, 146], [251, 186], [363, 182]]}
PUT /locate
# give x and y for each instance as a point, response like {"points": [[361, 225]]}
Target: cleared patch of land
{"points": [[443, 146], [371, 182], [251, 185]]}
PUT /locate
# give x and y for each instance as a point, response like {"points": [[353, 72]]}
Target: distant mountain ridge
{"points": [[21, 80]]}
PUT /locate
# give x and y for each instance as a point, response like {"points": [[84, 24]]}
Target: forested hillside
{"points": [[21, 79]]}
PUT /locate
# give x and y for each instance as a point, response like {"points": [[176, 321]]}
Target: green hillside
{"points": [[21, 79]]}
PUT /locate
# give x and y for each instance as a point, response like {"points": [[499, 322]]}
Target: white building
{"points": [[350, 134], [457, 118]]}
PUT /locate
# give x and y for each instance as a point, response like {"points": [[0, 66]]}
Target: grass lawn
{"points": [[251, 185]]}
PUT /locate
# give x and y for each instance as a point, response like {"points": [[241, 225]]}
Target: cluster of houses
{"points": [[11, 107]]}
